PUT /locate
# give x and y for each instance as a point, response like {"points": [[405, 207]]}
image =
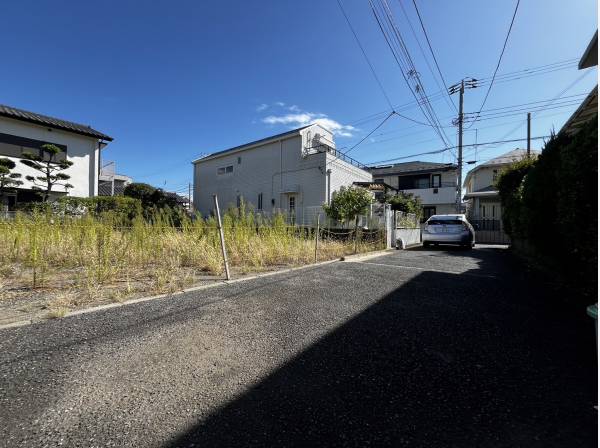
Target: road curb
{"points": [[194, 288]]}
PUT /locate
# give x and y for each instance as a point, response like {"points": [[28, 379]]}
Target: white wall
{"points": [[270, 169], [81, 150], [343, 174], [278, 169], [482, 177]]}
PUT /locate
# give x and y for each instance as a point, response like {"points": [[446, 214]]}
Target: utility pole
{"points": [[460, 148], [471, 83], [528, 134], [190, 197]]}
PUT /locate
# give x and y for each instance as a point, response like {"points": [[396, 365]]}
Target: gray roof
{"points": [[56, 123], [255, 142], [411, 168], [510, 157]]}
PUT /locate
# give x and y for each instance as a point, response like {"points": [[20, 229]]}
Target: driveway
{"points": [[413, 348]]}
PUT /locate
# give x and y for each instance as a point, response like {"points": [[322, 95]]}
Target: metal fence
{"points": [[489, 231]]}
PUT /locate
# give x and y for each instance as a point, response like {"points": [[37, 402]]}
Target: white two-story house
{"points": [[22, 131], [433, 183], [483, 200], [294, 172]]}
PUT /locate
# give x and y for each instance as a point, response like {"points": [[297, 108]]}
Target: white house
{"points": [[295, 172], [433, 183], [22, 131], [483, 200]]}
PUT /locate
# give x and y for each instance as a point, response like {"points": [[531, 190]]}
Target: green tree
{"points": [[144, 192], [51, 168], [348, 203], [406, 202], [8, 180]]}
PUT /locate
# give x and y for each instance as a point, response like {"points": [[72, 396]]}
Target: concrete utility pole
{"points": [[460, 147], [470, 84], [528, 134]]}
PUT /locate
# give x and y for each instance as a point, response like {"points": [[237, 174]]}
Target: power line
{"points": [[402, 57], [368, 135], [438, 151], [499, 59], [364, 53], [432, 52]]}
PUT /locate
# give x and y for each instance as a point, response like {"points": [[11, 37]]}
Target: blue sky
{"points": [[173, 80]]}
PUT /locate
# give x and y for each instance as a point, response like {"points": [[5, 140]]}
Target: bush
{"points": [[407, 203], [552, 204], [122, 209]]}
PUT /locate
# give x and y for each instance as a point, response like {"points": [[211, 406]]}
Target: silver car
{"points": [[448, 229]]}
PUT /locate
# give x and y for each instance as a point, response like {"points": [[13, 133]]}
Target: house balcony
{"points": [[446, 194]]}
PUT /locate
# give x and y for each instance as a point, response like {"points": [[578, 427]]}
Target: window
{"points": [[15, 146], [428, 212], [436, 181], [292, 203], [259, 202], [239, 160], [225, 169]]}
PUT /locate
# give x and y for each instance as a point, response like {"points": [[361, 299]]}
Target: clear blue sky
{"points": [[172, 80]]}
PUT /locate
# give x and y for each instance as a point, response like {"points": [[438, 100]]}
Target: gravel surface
{"points": [[413, 348]]}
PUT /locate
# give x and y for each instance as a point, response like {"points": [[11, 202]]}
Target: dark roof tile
{"points": [[56, 123]]}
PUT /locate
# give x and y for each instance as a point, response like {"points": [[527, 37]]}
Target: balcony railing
{"points": [[421, 186], [338, 154]]}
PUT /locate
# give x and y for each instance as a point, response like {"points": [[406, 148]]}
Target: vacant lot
{"points": [[50, 266]]}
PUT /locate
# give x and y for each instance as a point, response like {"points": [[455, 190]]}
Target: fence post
{"points": [[220, 227], [317, 237], [356, 235]]}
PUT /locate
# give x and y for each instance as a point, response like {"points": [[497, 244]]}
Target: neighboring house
{"points": [[110, 183], [433, 183], [22, 131], [295, 172], [483, 201]]}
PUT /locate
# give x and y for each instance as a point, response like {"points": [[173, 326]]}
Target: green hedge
{"points": [[121, 208], [552, 204]]}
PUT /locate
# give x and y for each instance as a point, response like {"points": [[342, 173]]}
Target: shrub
{"points": [[552, 203]]}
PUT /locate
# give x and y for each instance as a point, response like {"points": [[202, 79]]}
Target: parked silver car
{"points": [[448, 229]]}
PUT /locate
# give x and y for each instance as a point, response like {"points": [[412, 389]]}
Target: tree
{"points": [[348, 203], [407, 203], [51, 169], [8, 180], [144, 192]]}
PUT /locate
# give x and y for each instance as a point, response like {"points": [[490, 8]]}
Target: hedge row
{"points": [[552, 204]]}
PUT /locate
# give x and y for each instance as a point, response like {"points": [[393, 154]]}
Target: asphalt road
{"points": [[413, 348]]}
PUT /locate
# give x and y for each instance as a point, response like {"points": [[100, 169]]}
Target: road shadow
{"points": [[444, 360]]}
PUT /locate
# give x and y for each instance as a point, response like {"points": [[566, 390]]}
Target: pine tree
{"points": [[8, 180], [51, 169]]}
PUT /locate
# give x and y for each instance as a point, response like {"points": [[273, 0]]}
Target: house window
{"points": [[239, 160], [292, 204], [225, 169], [259, 202], [15, 146], [428, 212], [436, 181]]}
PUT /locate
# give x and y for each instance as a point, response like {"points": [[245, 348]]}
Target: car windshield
{"points": [[447, 222]]}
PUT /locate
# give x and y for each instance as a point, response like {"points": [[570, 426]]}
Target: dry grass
{"points": [[95, 259]]}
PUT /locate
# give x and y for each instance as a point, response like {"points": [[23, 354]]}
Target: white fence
{"points": [[407, 231]]}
